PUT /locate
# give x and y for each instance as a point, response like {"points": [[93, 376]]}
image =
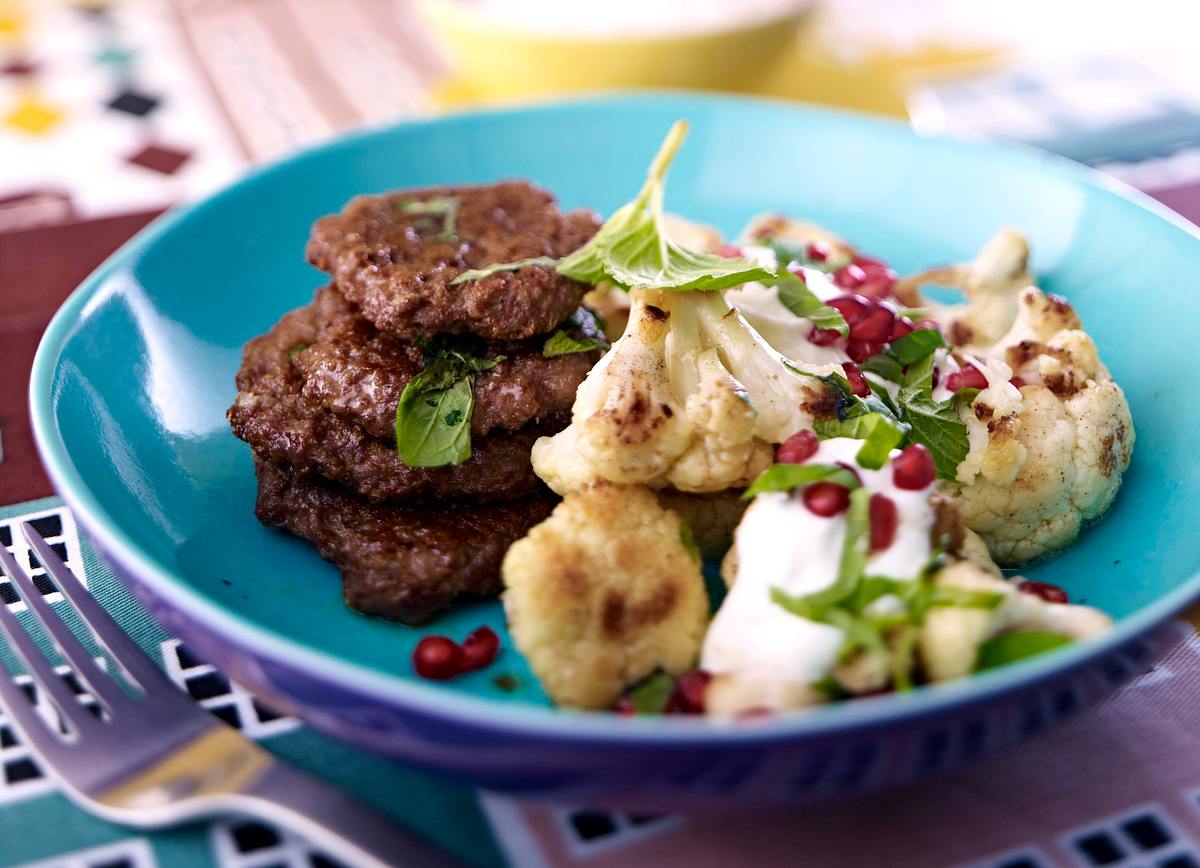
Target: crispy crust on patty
{"points": [[403, 564], [398, 266], [283, 425], [356, 371]]}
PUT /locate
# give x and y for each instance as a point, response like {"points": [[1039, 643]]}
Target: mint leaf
{"points": [[445, 207], [1012, 647], [785, 477], [795, 295], [884, 366], [939, 429], [632, 248], [689, 541], [916, 345], [880, 436], [489, 270], [560, 344], [651, 695], [433, 417]]}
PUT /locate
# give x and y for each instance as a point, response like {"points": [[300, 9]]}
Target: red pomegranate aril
{"points": [[823, 337], [851, 307], [875, 326], [849, 276], [934, 378], [856, 379], [1017, 381], [884, 518], [624, 707], [969, 377], [729, 251], [438, 658], [860, 351], [798, 448], [900, 328], [688, 696], [913, 468], [827, 499], [816, 252], [479, 649], [878, 280], [1046, 591]]}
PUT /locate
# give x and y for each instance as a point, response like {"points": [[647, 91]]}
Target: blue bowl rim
{"points": [[529, 720]]}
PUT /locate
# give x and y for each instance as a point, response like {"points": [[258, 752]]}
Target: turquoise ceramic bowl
{"points": [[131, 383]]}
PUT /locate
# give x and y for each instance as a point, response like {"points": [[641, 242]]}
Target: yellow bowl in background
{"points": [[491, 61]]}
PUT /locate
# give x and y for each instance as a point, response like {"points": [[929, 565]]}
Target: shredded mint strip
{"points": [[433, 418], [632, 248], [488, 271], [445, 207], [1012, 647], [651, 695], [795, 295], [785, 477]]}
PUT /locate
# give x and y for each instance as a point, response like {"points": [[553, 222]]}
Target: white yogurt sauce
{"points": [[783, 330], [781, 544], [631, 17]]}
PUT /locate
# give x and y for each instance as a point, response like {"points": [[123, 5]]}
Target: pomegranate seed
{"points": [[729, 251], [816, 251], [851, 307], [1017, 381], [969, 377], [913, 468], [438, 658], [798, 448], [1046, 591], [856, 379], [479, 649], [624, 707], [827, 499], [877, 279], [688, 696], [934, 378], [900, 328], [876, 326], [860, 351], [849, 276], [823, 337], [884, 518]]}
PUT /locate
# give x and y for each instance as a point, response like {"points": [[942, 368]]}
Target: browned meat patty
{"points": [[398, 265], [356, 371], [398, 563], [283, 425]]}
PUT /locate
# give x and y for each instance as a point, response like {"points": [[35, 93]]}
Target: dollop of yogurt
{"points": [[781, 544]]}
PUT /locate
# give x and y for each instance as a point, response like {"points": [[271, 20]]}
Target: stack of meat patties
{"points": [[317, 395]]}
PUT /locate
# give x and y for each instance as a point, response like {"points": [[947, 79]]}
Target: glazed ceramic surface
{"points": [[133, 377]]}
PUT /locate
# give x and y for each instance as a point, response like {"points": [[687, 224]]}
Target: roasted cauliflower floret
{"points": [[690, 397], [951, 636], [603, 593], [1048, 450]]}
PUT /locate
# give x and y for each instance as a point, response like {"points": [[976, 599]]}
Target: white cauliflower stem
{"points": [[690, 397]]}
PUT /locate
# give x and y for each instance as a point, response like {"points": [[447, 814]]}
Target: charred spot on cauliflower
{"points": [[603, 593]]}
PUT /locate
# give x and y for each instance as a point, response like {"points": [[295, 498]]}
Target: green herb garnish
{"points": [[795, 295], [1012, 647], [445, 207], [785, 477], [489, 270], [788, 253], [651, 695], [560, 344], [689, 541], [433, 418], [295, 349], [632, 248]]}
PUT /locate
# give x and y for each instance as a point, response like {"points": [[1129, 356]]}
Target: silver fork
{"points": [[157, 759]]}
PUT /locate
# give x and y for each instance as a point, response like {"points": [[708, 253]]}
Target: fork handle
{"points": [[335, 822]]}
